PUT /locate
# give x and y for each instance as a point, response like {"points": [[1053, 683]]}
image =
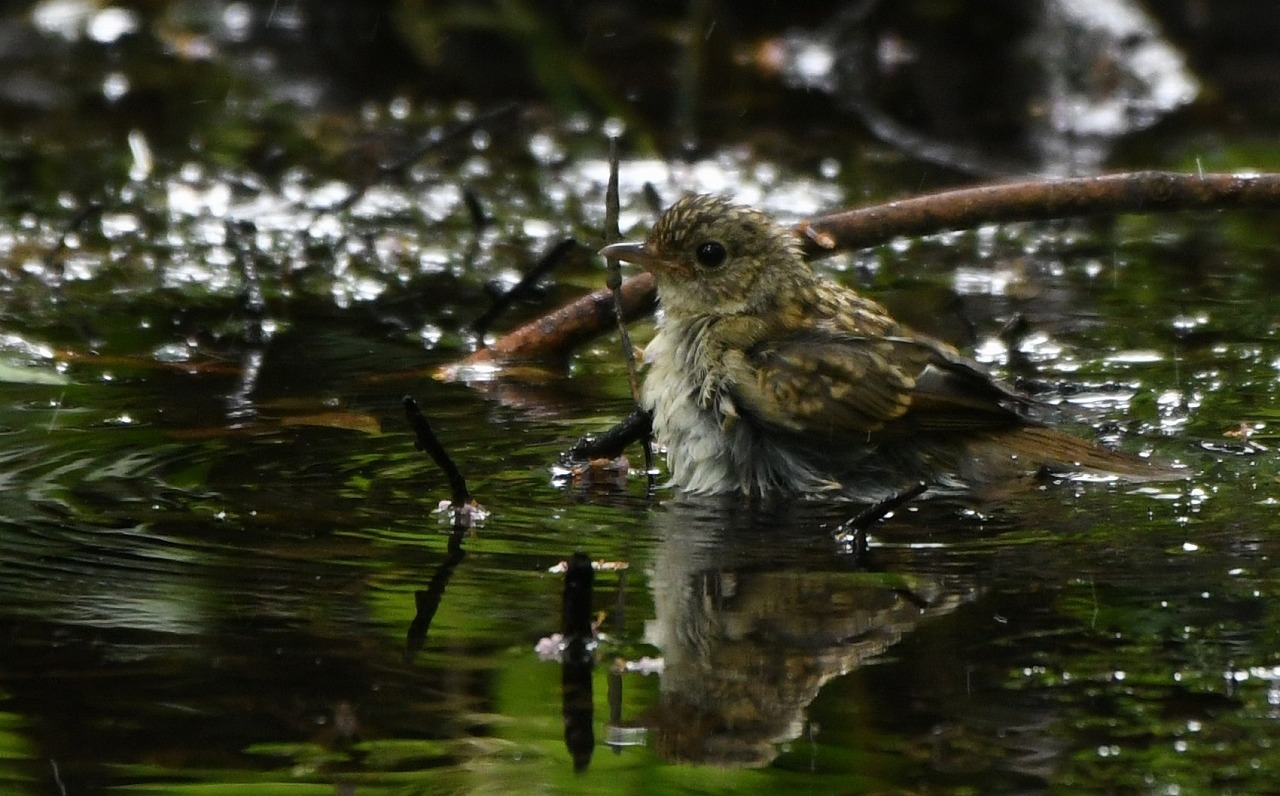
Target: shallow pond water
{"points": [[225, 571]]}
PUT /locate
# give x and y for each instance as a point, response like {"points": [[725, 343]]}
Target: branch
{"points": [[545, 265], [555, 335], [1038, 200], [611, 444]]}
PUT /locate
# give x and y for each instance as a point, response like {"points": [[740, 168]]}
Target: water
{"points": [[213, 566], [225, 571]]}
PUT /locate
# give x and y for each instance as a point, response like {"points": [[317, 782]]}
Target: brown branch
{"points": [[545, 265], [1038, 200], [553, 336]]}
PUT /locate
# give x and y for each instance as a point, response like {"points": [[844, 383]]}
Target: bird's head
{"points": [[713, 257]]}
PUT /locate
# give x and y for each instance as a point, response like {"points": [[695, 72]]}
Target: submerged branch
{"points": [[853, 531]]}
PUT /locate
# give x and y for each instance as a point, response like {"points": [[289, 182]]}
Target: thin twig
{"points": [[545, 265], [611, 234], [252, 299], [614, 267], [479, 218], [428, 145], [88, 211], [855, 529], [425, 440], [464, 508]]}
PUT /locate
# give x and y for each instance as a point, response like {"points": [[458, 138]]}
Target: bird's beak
{"points": [[638, 253]]}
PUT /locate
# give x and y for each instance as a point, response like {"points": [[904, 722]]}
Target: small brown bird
{"points": [[769, 380]]}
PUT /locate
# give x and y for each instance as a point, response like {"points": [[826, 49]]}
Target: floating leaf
{"points": [[352, 421]]}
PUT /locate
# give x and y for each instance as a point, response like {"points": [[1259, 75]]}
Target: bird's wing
{"points": [[841, 384]]}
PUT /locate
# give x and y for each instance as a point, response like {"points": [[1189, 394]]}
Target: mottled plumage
{"points": [[766, 379]]}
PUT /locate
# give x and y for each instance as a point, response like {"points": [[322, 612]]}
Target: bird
{"points": [[768, 380]]}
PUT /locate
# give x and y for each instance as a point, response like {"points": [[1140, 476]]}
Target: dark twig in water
{"points": [[252, 300], [614, 281], [855, 529], [545, 265], [429, 144], [611, 444], [578, 660], [77, 222], [427, 601], [479, 218], [425, 440]]}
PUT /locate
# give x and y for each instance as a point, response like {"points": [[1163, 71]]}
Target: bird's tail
{"points": [[1038, 447]]}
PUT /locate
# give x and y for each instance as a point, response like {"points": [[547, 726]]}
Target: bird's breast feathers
{"points": [[710, 449]]}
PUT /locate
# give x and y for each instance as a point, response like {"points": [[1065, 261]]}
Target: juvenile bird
{"points": [[768, 380]]}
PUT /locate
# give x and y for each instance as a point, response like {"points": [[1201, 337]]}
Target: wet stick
{"points": [[853, 531], [611, 235], [464, 511], [611, 444], [462, 504]]}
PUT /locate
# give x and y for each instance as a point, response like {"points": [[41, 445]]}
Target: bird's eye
{"points": [[711, 254]]}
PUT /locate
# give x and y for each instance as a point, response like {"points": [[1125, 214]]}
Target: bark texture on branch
{"points": [[1038, 200]]}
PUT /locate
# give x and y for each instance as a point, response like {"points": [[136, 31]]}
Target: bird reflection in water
{"points": [[754, 613]]}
